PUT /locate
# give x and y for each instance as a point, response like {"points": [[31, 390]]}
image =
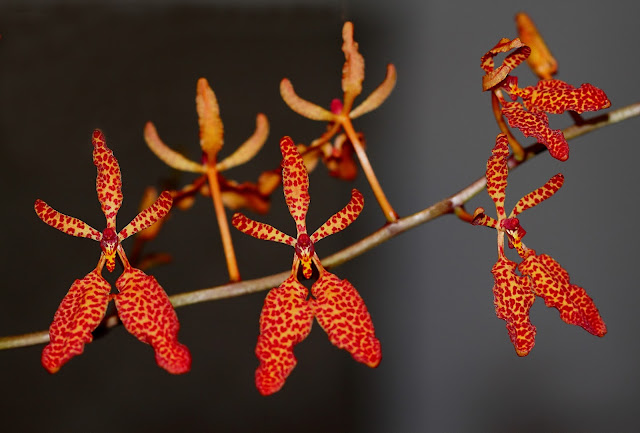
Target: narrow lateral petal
{"points": [[482, 219], [149, 216], [145, 310], [169, 156], [211, 128], [109, 180], [513, 298], [78, 315], [536, 125], [295, 182], [378, 96], [249, 148], [302, 106], [66, 224], [341, 219], [285, 321], [551, 282], [260, 230], [539, 195], [497, 172], [343, 315]]}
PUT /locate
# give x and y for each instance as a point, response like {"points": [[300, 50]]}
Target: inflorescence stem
{"points": [[378, 237]]}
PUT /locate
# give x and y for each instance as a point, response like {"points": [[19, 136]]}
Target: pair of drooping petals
{"points": [[548, 96], [288, 310], [143, 306], [540, 275]]}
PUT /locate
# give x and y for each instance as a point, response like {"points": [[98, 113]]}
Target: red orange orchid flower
{"points": [[143, 306], [548, 96], [540, 275], [288, 310]]}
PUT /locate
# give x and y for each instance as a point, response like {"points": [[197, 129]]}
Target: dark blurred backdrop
{"points": [[69, 67]]}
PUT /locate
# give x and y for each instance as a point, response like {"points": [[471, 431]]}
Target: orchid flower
{"points": [[288, 310], [143, 306], [540, 275]]}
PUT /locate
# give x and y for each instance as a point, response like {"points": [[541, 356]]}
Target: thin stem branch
{"points": [[223, 224], [388, 211], [376, 238]]}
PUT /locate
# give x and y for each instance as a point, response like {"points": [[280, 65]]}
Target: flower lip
{"points": [[305, 251], [109, 244]]}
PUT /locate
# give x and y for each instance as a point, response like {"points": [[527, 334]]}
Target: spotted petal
{"points": [[109, 180], [67, 224], [342, 219], [538, 195], [149, 216], [295, 182], [343, 315], [536, 124], [77, 317], [285, 321], [513, 298], [497, 172], [260, 230], [147, 313], [555, 96], [551, 282], [378, 96]]}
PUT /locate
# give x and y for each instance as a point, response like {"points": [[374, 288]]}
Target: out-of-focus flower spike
{"points": [[302, 106], [378, 96], [253, 196], [66, 224], [482, 219], [158, 210], [211, 128], [551, 282], [249, 148], [493, 75], [146, 312], [285, 321], [513, 298], [167, 155], [295, 182], [537, 125], [353, 69], [109, 179], [260, 230], [497, 172], [541, 62], [343, 315], [538, 195], [78, 315], [341, 219]]}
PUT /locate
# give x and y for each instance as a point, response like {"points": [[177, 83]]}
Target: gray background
{"points": [[448, 364]]}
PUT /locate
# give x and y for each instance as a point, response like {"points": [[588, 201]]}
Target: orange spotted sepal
{"points": [[109, 179], [286, 319], [77, 317], [543, 64], [513, 298], [494, 76], [145, 310], [289, 310], [551, 282], [343, 315]]}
